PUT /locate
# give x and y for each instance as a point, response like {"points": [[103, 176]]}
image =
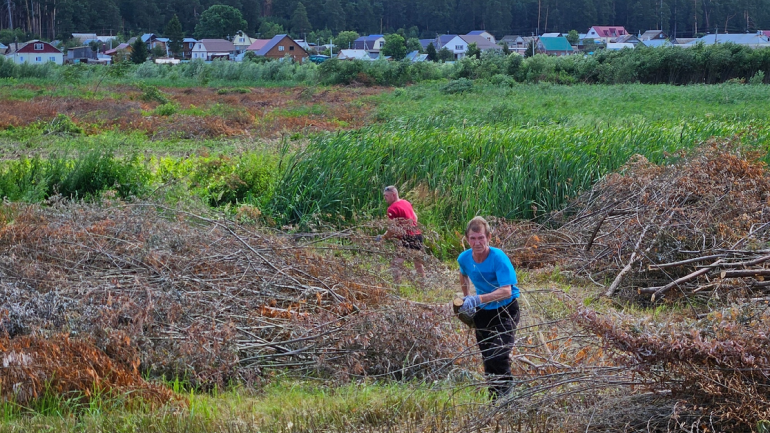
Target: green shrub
{"points": [[152, 94], [62, 124], [461, 85], [167, 109], [757, 79]]}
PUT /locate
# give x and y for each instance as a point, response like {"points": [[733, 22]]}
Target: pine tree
{"points": [[335, 15], [139, 51], [431, 51], [299, 21], [175, 36]]}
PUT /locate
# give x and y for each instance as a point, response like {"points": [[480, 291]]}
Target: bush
{"points": [[757, 79], [461, 85]]}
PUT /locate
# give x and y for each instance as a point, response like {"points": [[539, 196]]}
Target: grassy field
{"points": [[316, 158]]}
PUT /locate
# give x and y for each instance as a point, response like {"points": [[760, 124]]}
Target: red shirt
{"points": [[402, 209]]}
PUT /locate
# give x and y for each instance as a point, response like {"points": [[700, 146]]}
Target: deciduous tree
{"points": [[395, 46], [219, 21]]}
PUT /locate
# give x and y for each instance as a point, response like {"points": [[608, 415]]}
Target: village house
{"points": [[484, 34], [187, 46], [3, 49], [210, 49], [281, 46], [123, 49], [356, 55], [80, 54], [652, 35], [605, 34], [241, 41], [34, 52], [558, 46], [751, 40], [371, 43]]}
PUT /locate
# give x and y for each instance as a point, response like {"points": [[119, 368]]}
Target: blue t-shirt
{"points": [[494, 272]]}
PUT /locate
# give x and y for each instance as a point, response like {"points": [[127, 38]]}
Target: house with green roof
{"points": [[554, 46]]}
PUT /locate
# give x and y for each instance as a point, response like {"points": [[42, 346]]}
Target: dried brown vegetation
{"points": [[263, 112], [692, 234], [209, 300]]}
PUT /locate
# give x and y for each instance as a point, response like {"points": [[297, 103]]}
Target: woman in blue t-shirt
{"points": [[494, 307]]}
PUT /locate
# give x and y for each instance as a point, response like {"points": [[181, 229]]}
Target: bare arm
{"points": [[499, 294], [465, 284]]}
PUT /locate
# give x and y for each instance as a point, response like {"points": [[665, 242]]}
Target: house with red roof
{"points": [[605, 34], [34, 52]]}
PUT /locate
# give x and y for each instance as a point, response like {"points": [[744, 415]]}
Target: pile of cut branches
{"points": [[696, 226], [208, 299]]}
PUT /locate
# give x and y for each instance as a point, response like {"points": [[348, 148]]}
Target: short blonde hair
{"points": [[391, 188], [476, 225]]}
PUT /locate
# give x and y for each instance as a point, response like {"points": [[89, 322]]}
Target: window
{"points": [[459, 47], [291, 47], [281, 48], [191, 45], [38, 59], [52, 59], [38, 47], [21, 59], [241, 40]]}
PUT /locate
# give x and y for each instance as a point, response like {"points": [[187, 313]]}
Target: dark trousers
{"points": [[495, 332]]}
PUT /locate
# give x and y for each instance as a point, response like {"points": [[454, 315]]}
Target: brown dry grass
{"points": [[262, 112]]}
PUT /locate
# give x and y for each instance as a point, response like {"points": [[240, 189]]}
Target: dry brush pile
{"points": [[693, 234], [175, 294]]}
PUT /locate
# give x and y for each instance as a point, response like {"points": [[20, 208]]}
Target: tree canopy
{"points": [[395, 46], [219, 21]]}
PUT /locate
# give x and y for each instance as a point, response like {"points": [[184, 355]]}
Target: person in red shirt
{"points": [[405, 229]]}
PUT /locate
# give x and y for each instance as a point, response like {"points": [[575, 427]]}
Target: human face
{"points": [[390, 197], [479, 242]]}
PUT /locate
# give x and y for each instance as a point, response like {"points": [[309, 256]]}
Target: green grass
{"points": [[513, 152], [282, 405]]}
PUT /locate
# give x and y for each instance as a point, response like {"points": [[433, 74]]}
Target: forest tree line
{"points": [[57, 19]]}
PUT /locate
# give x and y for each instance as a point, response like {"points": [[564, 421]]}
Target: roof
{"points": [[478, 32], [654, 43], [765, 32], [551, 35], [147, 36], [617, 46], [257, 44], [750, 39], [510, 39], [443, 40], [354, 55], [29, 48], [652, 34], [415, 56], [217, 45], [631, 39], [481, 42], [556, 44], [186, 40], [83, 36], [370, 38], [272, 43], [682, 41], [122, 46], [3, 47], [610, 31], [426, 42]]}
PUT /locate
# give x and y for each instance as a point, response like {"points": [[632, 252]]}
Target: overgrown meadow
{"points": [[216, 239]]}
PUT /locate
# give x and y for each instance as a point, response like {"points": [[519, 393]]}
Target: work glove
{"points": [[378, 238], [470, 303]]}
